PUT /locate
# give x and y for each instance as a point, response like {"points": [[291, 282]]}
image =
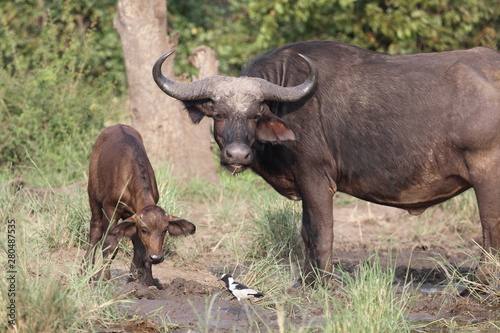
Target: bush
{"points": [[23, 26], [51, 111]]}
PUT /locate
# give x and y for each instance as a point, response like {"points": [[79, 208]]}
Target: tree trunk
{"points": [[205, 59], [168, 134]]}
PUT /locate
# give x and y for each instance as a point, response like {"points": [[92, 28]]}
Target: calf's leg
{"points": [[96, 231], [140, 263]]}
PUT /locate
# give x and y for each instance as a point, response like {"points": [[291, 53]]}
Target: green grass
{"points": [[275, 226], [370, 301], [63, 219], [364, 301], [47, 302], [170, 192], [46, 298]]}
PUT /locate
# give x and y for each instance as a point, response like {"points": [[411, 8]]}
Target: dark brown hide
{"points": [[122, 185], [408, 131]]}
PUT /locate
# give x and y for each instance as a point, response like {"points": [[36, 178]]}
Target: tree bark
{"points": [[205, 59], [165, 127]]}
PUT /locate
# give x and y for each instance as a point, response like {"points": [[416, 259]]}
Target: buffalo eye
{"points": [[216, 116], [256, 117], [165, 230], [144, 230]]}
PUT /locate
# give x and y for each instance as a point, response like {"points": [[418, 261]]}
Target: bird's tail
{"points": [[258, 295]]}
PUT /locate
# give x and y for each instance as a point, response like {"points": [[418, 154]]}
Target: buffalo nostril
{"points": [[156, 257], [238, 153]]}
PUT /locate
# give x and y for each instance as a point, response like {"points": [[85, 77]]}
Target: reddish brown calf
{"points": [[122, 185]]}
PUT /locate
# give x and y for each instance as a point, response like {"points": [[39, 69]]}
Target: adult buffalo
{"points": [[408, 131]]}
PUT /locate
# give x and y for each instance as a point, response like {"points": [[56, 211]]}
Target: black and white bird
{"points": [[239, 290]]}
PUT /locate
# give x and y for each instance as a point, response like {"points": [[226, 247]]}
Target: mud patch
{"points": [[187, 305]]}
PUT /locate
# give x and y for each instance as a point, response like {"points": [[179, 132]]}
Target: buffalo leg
{"points": [[488, 199], [99, 228], [148, 274], [141, 263], [317, 231], [139, 253], [110, 246], [96, 231], [484, 172]]}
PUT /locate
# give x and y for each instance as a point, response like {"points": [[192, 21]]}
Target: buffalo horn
{"points": [[202, 89], [193, 91], [274, 92]]}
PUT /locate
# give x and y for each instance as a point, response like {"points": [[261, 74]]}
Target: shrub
{"points": [[50, 113]]}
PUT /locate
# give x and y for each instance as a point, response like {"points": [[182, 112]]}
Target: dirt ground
{"points": [[180, 300]]}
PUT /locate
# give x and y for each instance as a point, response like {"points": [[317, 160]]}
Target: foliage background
{"points": [[241, 29], [63, 77]]}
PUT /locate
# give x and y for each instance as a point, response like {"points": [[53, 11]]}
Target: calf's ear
{"points": [[124, 229], [272, 129], [180, 227]]}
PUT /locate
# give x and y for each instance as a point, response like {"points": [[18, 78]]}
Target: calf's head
{"points": [[238, 108], [151, 224]]}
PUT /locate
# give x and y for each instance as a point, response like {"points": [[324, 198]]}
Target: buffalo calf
{"points": [[122, 185]]}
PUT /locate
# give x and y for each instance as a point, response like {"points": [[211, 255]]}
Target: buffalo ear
{"points": [[124, 229], [195, 114], [180, 227], [272, 129], [197, 111]]}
